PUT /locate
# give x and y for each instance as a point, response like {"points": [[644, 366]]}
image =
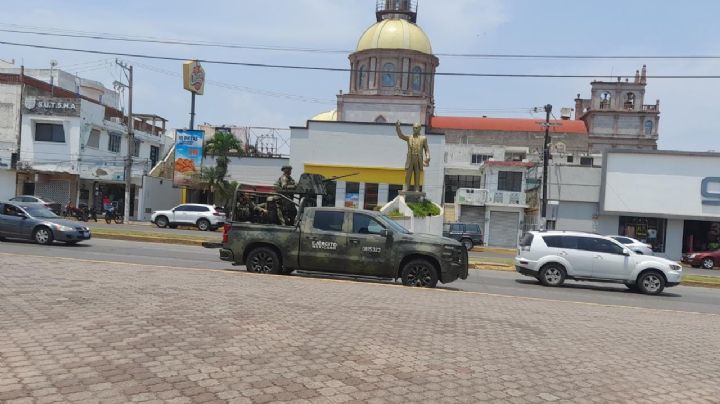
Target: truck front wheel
{"points": [[263, 260], [420, 273]]}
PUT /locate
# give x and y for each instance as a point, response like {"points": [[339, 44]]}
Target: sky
{"points": [[249, 96]]}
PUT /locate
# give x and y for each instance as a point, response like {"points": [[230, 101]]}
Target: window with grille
{"points": [[510, 181], [114, 142], [136, 147]]}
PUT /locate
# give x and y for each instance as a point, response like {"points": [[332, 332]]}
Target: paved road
{"points": [[692, 299], [149, 228], [82, 331]]}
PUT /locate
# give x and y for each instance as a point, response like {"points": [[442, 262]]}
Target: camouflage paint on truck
{"points": [[346, 242]]}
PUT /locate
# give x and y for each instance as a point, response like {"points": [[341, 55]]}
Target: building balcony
{"points": [[484, 197], [650, 108]]}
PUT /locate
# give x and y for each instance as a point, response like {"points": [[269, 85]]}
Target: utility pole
{"points": [[131, 138], [192, 111], [546, 158]]}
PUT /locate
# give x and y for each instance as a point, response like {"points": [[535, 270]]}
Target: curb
{"points": [[149, 239], [496, 250]]}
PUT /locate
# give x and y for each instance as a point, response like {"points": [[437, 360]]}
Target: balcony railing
{"points": [[482, 197], [650, 108]]}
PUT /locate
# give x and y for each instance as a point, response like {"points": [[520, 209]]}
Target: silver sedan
{"points": [[34, 222]]}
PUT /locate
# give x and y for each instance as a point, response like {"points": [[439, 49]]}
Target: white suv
{"points": [[205, 217], [554, 256]]}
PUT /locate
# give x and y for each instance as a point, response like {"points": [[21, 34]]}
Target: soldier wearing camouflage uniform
{"points": [[283, 185]]}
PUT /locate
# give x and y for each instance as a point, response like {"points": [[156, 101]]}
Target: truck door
{"points": [[324, 246], [368, 248]]}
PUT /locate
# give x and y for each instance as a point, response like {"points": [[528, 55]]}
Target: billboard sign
{"points": [[194, 77], [188, 155]]}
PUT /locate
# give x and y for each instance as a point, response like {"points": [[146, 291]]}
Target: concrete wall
{"points": [[156, 194], [7, 184], [254, 170], [659, 184], [576, 216], [364, 145], [574, 183], [9, 113], [531, 140]]}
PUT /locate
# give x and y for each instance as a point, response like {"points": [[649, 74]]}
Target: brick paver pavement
{"points": [[73, 331]]}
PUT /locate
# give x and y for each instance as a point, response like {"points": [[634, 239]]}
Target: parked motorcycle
{"points": [[111, 215], [78, 213]]}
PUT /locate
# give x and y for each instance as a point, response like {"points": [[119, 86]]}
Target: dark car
{"points": [[35, 222], [55, 207], [468, 234], [704, 259]]}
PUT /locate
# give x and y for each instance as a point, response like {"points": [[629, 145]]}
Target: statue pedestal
{"points": [[412, 196]]}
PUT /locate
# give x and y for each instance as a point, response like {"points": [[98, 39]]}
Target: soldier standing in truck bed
{"points": [[284, 184]]}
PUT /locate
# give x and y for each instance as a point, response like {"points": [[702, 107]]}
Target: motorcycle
{"points": [[78, 213], [112, 215]]}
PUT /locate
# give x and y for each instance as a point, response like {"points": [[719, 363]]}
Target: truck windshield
{"points": [[393, 225]]}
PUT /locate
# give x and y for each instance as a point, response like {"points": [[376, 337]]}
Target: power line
{"points": [[127, 38], [338, 69]]}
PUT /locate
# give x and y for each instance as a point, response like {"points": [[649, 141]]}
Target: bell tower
{"points": [[396, 9]]}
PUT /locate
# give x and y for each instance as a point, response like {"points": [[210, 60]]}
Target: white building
{"points": [[72, 144]]}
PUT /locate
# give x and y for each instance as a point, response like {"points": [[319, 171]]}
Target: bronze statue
{"points": [[414, 163]]}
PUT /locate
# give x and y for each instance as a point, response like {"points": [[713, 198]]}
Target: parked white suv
{"points": [[554, 256], [205, 217]]}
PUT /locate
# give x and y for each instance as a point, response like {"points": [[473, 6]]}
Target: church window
{"points": [[605, 100], [648, 127], [630, 101], [417, 78], [388, 75], [361, 77]]}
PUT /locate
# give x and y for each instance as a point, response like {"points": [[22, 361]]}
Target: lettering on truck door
{"points": [[323, 244]]}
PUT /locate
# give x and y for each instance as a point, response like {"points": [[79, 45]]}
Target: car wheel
{"points": [[552, 275], [651, 283], [263, 260], [161, 222], [467, 243], [43, 235], [419, 273], [203, 225], [708, 263]]}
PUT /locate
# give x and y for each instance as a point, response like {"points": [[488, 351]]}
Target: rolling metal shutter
{"points": [[54, 190], [503, 229], [473, 214]]}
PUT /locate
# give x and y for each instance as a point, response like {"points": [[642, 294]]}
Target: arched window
{"points": [[361, 77], [388, 75], [417, 78], [630, 101], [648, 127], [605, 99]]}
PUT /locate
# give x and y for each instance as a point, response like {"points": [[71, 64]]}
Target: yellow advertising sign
{"points": [[193, 77]]}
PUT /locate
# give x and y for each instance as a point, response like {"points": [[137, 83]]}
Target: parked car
{"points": [[38, 223], [554, 256], [205, 217], [468, 234], [635, 245], [55, 207], [704, 259]]}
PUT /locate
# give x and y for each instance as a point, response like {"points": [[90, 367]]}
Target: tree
{"points": [[221, 146]]}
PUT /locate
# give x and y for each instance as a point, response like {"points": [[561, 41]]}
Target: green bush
{"points": [[395, 214], [424, 209]]}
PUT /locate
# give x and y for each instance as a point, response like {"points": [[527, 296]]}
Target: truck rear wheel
{"points": [[263, 260], [420, 273]]}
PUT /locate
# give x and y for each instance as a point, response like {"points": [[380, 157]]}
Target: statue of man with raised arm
{"points": [[418, 156]]}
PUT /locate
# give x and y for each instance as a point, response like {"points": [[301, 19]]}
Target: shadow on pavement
{"points": [[594, 287]]}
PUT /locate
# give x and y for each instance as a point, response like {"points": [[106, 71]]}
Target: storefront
{"points": [[668, 199]]}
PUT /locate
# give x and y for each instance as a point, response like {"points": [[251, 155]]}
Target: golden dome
{"points": [[395, 34], [326, 116]]}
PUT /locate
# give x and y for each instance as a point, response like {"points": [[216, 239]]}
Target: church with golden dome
{"points": [[391, 79], [392, 70]]}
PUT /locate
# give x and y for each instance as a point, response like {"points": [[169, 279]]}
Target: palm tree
{"points": [[221, 146]]}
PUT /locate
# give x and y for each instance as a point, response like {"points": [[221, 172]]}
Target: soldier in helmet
{"points": [[284, 184], [286, 181]]}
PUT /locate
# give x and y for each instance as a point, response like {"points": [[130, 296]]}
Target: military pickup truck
{"points": [[346, 242]]}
